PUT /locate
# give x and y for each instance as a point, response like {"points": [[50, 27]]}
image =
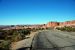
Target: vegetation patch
{"points": [[69, 29], [7, 37]]}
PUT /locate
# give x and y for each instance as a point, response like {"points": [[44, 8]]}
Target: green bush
{"points": [[12, 36], [69, 29], [5, 45]]}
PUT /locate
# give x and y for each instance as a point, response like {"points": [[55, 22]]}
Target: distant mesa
{"points": [[48, 25]]}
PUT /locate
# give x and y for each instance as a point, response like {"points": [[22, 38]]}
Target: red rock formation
{"points": [[61, 24], [68, 23], [52, 24]]}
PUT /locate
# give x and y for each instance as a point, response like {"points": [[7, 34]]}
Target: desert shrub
{"points": [[5, 45], [69, 29], [16, 37], [12, 36]]}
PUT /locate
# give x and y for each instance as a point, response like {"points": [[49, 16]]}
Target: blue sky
{"points": [[14, 12]]}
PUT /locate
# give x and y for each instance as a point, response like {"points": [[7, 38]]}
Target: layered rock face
{"points": [[68, 23], [61, 24], [52, 24]]}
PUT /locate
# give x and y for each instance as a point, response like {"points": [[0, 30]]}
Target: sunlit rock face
{"points": [[68, 23], [52, 24], [61, 24]]}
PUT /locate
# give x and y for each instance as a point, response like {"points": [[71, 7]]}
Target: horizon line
{"points": [[34, 24]]}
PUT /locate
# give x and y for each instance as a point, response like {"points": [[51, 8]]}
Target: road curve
{"points": [[53, 40]]}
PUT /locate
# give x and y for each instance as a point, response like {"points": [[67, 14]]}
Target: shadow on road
{"points": [[25, 48]]}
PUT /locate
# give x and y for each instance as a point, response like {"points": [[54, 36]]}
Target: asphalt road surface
{"points": [[53, 40]]}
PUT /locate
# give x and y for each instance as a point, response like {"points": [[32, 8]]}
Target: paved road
{"points": [[53, 40]]}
